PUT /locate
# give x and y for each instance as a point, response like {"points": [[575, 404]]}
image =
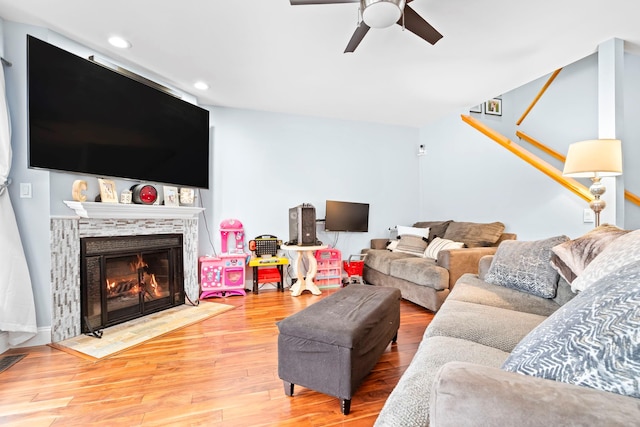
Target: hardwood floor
{"points": [[222, 371]]}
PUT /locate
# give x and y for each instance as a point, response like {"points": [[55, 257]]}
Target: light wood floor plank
{"points": [[222, 372]]}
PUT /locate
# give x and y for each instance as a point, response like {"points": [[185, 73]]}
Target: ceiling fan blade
{"points": [[302, 2], [357, 37], [418, 26]]}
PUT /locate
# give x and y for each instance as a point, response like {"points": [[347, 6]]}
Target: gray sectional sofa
{"points": [[513, 345], [428, 281]]}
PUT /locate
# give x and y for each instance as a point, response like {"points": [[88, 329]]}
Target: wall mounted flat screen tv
{"points": [[85, 118], [346, 216]]}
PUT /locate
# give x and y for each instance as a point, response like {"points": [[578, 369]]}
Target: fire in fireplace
{"points": [[126, 277]]}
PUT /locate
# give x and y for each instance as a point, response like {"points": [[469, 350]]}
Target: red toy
{"points": [[354, 268]]}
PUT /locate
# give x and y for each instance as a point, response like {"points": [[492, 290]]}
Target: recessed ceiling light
{"points": [[118, 41], [201, 85]]}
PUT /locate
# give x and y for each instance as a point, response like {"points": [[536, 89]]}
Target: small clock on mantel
{"points": [[144, 194]]}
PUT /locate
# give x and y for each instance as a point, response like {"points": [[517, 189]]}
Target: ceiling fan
{"points": [[382, 14]]}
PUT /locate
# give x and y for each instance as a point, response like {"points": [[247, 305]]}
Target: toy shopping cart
{"points": [[354, 266]]}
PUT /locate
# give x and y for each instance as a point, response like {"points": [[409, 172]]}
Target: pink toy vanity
{"points": [[224, 274]]}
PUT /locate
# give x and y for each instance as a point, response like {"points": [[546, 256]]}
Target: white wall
{"points": [[266, 163], [631, 142], [468, 176]]}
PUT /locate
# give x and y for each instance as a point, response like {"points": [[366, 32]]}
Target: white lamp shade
{"points": [[381, 13], [595, 157]]}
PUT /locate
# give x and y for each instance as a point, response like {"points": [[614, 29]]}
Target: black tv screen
{"points": [[85, 118], [346, 216]]}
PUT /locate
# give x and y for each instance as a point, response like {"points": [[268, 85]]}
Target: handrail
{"points": [[553, 153], [539, 95], [530, 158], [631, 197], [550, 151]]}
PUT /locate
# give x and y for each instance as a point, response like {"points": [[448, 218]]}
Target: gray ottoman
{"points": [[333, 344]]}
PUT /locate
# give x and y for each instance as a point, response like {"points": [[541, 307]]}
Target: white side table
{"points": [[305, 284]]}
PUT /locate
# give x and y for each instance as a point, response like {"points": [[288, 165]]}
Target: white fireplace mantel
{"points": [[131, 211]]}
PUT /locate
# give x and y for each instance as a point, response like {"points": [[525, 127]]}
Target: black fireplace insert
{"points": [[126, 277]]}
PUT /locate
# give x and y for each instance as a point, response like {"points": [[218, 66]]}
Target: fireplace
{"points": [[126, 277]]}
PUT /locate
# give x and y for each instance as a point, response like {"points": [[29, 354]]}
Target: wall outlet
{"points": [[25, 190], [588, 216]]}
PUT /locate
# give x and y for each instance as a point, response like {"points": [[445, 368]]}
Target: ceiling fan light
{"points": [[381, 13]]}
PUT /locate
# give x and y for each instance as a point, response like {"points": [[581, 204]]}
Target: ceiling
{"points": [[268, 55]]}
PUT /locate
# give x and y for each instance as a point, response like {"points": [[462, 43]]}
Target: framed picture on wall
{"points": [[171, 196], [476, 109], [108, 192], [493, 107]]}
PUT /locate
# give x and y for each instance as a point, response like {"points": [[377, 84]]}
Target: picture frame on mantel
{"points": [[170, 196], [108, 191], [493, 107], [187, 196]]}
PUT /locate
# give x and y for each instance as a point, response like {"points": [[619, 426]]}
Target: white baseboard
{"points": [[42, 337]]}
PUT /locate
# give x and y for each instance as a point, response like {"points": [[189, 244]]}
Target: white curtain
{"points": [[17, 308]]}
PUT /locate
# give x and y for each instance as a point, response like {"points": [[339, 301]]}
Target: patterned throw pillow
{"points": [[592, 341], [570, 258], [410, 244], [438, 244], [621, 251], [525, 266]]}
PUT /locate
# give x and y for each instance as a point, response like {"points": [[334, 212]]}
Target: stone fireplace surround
{"points": [[102, 220]]}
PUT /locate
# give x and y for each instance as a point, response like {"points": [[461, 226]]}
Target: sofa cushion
{"points": [[421, 271], [620, 252], [412, 231], [474, 234], [438, 244], [491, 326], [592, 341], [380, 259], [408, 403], [570, 258], [563, 293], [410, 244], [526, 266], [470, 288], [436, 228]]}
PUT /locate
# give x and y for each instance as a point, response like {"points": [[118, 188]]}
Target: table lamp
{"points": [[594, 159]]}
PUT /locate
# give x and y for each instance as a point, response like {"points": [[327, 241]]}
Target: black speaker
{"points": [[302, 225]]}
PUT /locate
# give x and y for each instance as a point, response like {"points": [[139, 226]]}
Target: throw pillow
{"points": [[412, 231], [620, 252], [436, 228], [525, 266], [474, 234], [592, 341], [438, 244], [570, 258], [392, 245], [410, 244]]}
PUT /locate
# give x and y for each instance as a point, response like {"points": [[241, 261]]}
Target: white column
{"points": [[610, 120]]}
